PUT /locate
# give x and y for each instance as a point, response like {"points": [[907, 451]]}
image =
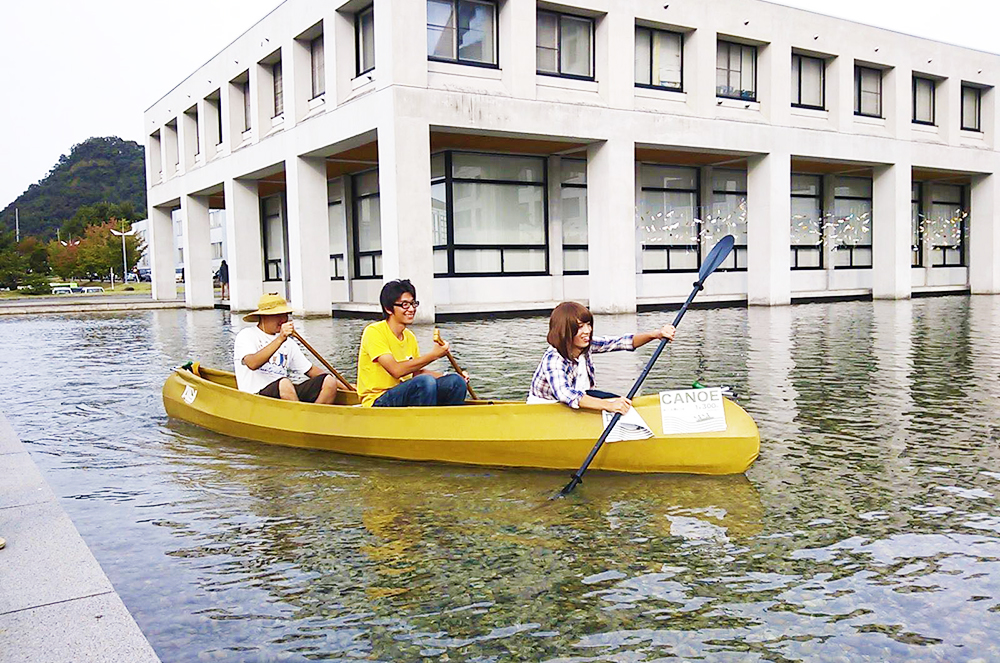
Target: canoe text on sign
{"points": [[692, 411]]}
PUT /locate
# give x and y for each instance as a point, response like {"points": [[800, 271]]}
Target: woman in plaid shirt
{"points": [[566, 372]]}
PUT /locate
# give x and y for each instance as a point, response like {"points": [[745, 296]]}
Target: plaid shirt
{"points": [[555, 377]]}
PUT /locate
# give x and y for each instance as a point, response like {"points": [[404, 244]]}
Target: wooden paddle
{"points": [[718, 254], [330, 368], [454, 364]]}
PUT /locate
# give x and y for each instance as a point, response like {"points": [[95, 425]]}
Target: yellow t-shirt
{"points": [[377, 340]]}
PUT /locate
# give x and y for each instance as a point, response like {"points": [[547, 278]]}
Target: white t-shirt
{"points": [[286, 361], [582, 383]]}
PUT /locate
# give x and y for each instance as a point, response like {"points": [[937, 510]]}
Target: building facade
{"points": [[510, 154]]}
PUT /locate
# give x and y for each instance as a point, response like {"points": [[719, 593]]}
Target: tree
{"points": [[13, 266], [95, 215], [64, 258], [101, 252], [36, 254]]}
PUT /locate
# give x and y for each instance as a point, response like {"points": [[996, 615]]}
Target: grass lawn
{"points": [[131, 288]]}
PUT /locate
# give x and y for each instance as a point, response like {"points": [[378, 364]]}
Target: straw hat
{"points": [[270, 304]]}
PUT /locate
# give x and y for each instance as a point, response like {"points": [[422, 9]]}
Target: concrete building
{"points": [[509, 154]]}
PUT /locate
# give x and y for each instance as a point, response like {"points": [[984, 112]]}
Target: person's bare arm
{"points": [[618, 404], [261, 357], [642, 338]]}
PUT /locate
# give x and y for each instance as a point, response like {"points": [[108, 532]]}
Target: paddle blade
{"points": [[716, 256]]}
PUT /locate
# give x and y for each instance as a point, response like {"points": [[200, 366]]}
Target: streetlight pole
{"points": [[122, 234]]}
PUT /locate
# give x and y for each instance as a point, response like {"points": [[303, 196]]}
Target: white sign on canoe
{"points": [[692, 411]]}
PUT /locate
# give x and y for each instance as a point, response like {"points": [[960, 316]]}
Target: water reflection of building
{"points": [[596, 155]]}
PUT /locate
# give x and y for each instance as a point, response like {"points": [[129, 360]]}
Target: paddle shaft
{"points": [[458, 369], [323, 361], [578, 475]]}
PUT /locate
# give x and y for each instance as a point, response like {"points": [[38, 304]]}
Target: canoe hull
{"points": [[498, 434]]}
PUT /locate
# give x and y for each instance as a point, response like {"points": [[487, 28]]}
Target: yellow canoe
{"points": [[491, 433]]}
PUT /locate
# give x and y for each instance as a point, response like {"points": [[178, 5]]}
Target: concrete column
{"points": [[262, 90], [614, 43], [340, 62], [206, 131], [517, 53], [840, 91], [161, 253], [891, 232], [984, 236], [188, 126], [948, 109], [197, 243], [554, 166], [769, 209], [297, 79], [308, 235], [611, 225], [828, 227], [897, 101], [775, 80], [232, 107], [404, 181], [700, 55], [401, 44], [246, 255], [171, 145], [154, 158]]}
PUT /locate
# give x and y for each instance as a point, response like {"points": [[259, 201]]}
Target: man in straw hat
{"points": [[265, 359]]}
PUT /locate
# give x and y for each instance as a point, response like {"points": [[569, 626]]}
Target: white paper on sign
{"points": [[630, 427], [692, 411]]}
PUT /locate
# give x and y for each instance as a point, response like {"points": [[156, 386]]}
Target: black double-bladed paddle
{"points": [[718, 254]]}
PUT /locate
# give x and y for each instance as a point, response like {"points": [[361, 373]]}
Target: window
{"points": [[564, 45], [972, 98], [808, 81], [216, 217], [489, 214], [946, 226], [216, 250], [317, 62], [279, 92], [573, 185], [659, 58], [916, 226], [728, 216], [736, 71], [367, 226], [273, 231], [247, 106], [338, 232], [852, 211], [807, 222], [364, 37], [462, 31], [668, 224], [867, 91], [192, 114], [923, 100]]}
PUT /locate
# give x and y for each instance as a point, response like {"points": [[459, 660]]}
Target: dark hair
{"points": [[391, 292], [564, 323]]}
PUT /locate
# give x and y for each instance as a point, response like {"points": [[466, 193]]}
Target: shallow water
{"points": [[869, 529]]}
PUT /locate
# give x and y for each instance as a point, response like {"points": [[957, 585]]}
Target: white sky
{"points": [[72, 70]]}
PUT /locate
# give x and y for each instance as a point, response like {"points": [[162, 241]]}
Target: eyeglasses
{"points": [[407, 305]]}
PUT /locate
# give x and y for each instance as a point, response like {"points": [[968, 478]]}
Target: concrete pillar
{"points": [[775, 80], [171, 156], [188, 126], [769, 209], [984, 236], [517, 25], [400, 44], [404, 181], [197, 244], [897, 101], [554, 166], [161, 253], [700, 56], [308, 235], [614, 44], [206, 131], [948, 109], [891, 262], [840, 91], [154, 158], [611, 225], [246, 255], [341, 65], [232, 107]]}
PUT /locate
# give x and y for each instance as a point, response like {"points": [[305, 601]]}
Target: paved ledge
{"points": [[56, 604], [85, 304]]}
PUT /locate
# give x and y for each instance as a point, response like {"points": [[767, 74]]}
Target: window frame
{"points": [[858, 75], [356, 199], [267, 259], [963, 230], [593, 46], [652, 34], [851, 247], [822, 82], [575, 247], [496, 38], [668, 248], [819, 243], [979, 109], [317, 75], [746, 196], [359, 40], [278, 89], [933, 84], [729, 45], [917, 250]]}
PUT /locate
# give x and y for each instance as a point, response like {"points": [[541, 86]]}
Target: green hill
{"points": [[97, 170]]}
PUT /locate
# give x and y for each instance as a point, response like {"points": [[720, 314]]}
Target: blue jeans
{"points": [[425, 390]]}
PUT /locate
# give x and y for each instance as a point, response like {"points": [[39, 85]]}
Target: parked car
{"points": [[145, 274], [92, 289], [179, 275], [62, 290]]}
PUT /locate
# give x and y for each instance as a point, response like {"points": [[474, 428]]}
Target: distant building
{"points": [[509, 154]]}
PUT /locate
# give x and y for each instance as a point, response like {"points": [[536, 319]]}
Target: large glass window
{"points": [[668, 224], [867, 91], [916, 226], [808, 81], [852, 223], [279, 89], [462, 31], [364, 37], [736, 71], [317, 64], [728, 215], [659, 58], [273, 231], [564, 45], [972, 98], [807, 222], [573, 188], [923, 100], [337, 220], [494, 213], [247, 106], [367, 226], [946, 226]]}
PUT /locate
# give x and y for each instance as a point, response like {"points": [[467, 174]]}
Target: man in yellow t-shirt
{"points": [[391, 369]]}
